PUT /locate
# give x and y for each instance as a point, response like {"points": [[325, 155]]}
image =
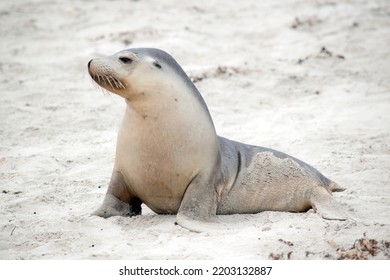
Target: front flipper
{"points": [[118, 201], [324, 204], [198, 208]]}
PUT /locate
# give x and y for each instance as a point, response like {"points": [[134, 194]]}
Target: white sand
{"points": [[275, 88]]}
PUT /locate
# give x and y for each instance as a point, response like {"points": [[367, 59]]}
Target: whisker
{"points": [[122, 85], [115, 82], [107, 80], [105, 92]]}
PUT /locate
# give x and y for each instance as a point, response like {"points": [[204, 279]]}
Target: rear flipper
{"points": [[324, 204], [333, 187]]}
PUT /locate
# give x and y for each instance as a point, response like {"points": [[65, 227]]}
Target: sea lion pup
{"points": [[169, 156]]}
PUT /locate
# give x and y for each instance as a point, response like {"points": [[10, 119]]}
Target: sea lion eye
{"points": [[157, 64], [126, 60]]}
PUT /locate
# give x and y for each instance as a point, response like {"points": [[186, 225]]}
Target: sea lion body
{"points": [[164, 160], [263, 179], [170, 158]]}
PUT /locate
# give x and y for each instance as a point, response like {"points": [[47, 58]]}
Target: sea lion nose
{"points": [[89, 63]]}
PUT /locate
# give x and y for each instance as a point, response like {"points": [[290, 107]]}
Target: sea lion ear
{"points": [[157, 64]]}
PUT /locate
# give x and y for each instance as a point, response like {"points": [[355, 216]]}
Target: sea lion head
{"points": [[134, 72]]}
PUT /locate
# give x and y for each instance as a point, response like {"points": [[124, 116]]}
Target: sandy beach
{"points": [[309, 78]]}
